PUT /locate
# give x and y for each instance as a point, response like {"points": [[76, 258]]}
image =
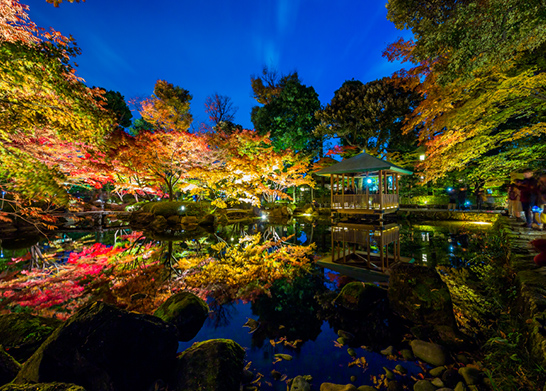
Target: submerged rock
{"points": [[42, 387], [214, 365], [22, 334], [8, 367], [299, 383], [103, 348], [471, 375], [431, 353], [186, 311]]}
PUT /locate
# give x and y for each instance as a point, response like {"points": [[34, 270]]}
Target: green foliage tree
{"points": [[289, 118], [481, 71], [370, 116], [115, 103]]}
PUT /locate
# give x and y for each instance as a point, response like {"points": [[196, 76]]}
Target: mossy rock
{"points": [[214, 365], [102, 347], [186, 311], [22, 334], [42, 387], [8, 367], [360, 296]]}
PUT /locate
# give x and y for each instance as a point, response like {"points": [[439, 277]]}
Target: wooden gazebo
{"points": [[364, 184]]}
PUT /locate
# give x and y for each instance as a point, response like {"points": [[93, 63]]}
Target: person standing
{"points": [[528, 196], [513, 200], [461, 198]]}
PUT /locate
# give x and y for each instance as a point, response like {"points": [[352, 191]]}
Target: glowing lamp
{"points": [[368, 181]]}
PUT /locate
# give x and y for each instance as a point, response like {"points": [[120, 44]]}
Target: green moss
{"points": [[22, 334]]}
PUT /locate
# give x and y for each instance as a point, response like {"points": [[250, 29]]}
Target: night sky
{"points": [[213, 46]]}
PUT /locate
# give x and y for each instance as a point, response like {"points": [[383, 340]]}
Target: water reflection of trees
{"points": [[289, 310]]}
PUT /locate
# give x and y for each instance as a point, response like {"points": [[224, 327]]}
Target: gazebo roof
{"points": [[361, 163]]}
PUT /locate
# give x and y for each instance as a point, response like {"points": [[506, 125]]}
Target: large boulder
{"points": [[22, 334], [418, 294], [8, 367], [429, 352], [214, 365], [103, 348], [360, 296], [186, 311], [42, 387]]}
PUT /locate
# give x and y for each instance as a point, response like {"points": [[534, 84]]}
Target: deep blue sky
{"points": [[216, 45]]}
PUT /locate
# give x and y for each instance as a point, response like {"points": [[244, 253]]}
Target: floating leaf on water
{"points": [[283, 356], [252, 325]]}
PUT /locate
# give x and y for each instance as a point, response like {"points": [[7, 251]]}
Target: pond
{"points": [[295, 318]]}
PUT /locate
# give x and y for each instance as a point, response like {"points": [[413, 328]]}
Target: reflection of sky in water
{"points": [[318, 358]]}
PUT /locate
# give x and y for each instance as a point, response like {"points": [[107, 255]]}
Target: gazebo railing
{"points": [[365, 201]]}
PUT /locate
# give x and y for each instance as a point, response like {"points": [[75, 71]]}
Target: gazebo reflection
{"points": [[372, 247]]}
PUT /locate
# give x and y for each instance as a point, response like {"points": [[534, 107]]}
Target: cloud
{"points": [[287, 14]]}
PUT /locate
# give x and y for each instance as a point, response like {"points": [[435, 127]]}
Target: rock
{"points": [[393, 385], [207, 220], [366, 388], [173, 221], [42, 387], [462, 359], [8, 367], [158, 224], [337, 387], [451, 377], [22, 334], [186, 311], [437, 382], [435, 372], [471, 375], [300, 384], [188, 220], [418, 294], [401, 369], [431, 353], [351, 352], [460, 387], [423, 385], [141, 219], [407, 354], [389, 351], [103, 348], [360, 296], [353, 378], [276, 375], [214, 365]]}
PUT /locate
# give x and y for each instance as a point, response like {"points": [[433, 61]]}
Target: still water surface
{"points": [[295, 320]]}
